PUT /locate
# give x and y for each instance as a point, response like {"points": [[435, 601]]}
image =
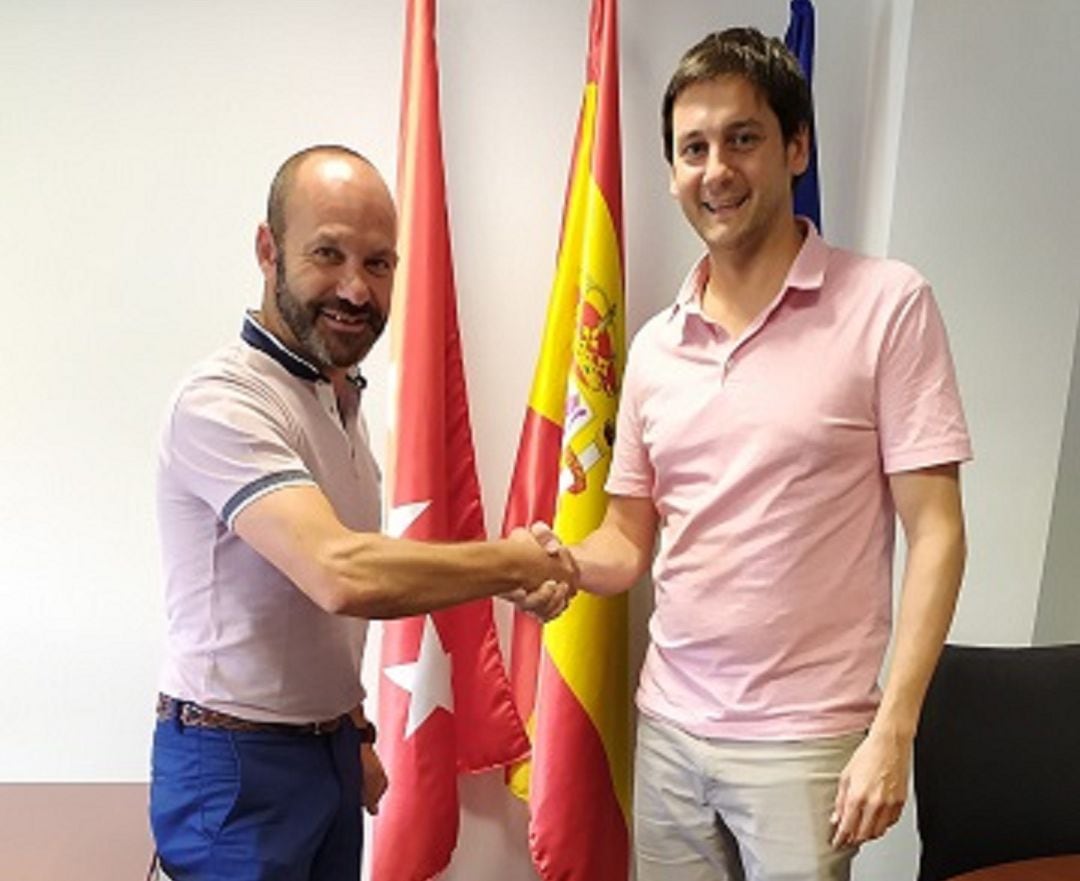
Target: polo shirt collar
{"points": [[807, 273], [258, 337], [688, 300]]}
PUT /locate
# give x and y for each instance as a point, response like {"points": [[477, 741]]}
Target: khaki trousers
{"points": [[725, 810]]}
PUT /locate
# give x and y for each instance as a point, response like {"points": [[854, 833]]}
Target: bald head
{"points": [[327, 252], [331, 159]]}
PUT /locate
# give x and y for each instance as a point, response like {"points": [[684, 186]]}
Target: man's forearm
{"points": [[376, 577], [609, 563], [372, 576], [932, 575], [873, 786]]}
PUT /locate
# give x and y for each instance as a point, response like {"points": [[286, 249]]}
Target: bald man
{"points": [[268, 506]]}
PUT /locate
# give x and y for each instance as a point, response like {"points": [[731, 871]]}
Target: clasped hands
{"points": [[554, 575]]}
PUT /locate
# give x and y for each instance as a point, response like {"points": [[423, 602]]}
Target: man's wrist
{"points": [[893, 730], [367, 731], [365, 728]]}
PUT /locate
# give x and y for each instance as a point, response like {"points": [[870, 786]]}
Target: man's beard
{"points": [[330, 350]]}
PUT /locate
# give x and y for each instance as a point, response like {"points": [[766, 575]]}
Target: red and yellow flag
{"points": [[570, 678], [445, 703]]}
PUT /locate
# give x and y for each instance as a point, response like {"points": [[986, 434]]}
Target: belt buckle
{"points": [[326, 726], [189, 713]]}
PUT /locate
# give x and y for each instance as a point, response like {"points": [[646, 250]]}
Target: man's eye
{"points": [[744, 140], [327, 254], [693, 149], [380, 266]]}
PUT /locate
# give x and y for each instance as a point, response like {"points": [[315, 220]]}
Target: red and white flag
{"points": [[445, 704]]}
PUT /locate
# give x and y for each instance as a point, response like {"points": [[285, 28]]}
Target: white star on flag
{"points": [[427, 679], [403, 516]]}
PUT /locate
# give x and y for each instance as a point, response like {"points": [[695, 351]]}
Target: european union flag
{"points": [[800, 41]]}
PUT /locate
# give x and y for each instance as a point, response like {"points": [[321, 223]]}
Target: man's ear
{"points": [[266, 250], [798, 151]]}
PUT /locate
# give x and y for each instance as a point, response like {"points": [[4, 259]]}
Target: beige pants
{"points": [[724, 810]]}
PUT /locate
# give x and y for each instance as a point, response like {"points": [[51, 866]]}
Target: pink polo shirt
{"points": [[767, 458]]}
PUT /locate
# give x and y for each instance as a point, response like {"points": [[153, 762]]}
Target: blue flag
{"points": [[800, 41]]}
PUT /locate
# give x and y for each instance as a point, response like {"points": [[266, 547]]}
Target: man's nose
{"points": [[716, 166], [353, 287]]}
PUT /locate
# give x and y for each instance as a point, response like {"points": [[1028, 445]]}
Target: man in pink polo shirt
{"points": [[774, 420], [268, 504]]}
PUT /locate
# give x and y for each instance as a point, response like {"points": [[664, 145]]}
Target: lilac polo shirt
{"points": [[767, 458], [242, 638]]}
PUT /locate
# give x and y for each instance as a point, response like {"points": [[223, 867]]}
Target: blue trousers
{"points": [[255, 806]]}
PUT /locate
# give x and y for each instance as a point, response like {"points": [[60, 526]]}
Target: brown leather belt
{"points": [[195, 716]]}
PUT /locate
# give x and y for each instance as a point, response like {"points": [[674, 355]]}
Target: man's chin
{"points": [[333, 354], [343, 359]]}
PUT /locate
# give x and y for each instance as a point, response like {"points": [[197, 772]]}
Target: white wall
{"points": [[985, 199], [986, 206], [137, 143], [138, 139]]}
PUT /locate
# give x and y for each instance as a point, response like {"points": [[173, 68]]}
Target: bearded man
{"points": [[268, 503]]}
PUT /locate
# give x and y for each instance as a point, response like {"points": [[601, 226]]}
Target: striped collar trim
{"points": [[258, 337]]}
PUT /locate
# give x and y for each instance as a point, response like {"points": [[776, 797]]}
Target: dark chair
{"points": [[997, 758]]}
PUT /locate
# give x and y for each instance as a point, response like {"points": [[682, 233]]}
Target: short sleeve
{"points": [[631, 470], [920, 417], [229, 445]]}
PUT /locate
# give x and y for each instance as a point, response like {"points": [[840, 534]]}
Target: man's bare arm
{"points": [[618, 552], [372, 576], [874, 785]]}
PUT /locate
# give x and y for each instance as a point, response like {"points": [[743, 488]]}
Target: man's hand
{"points": [[545, 603], [873, 788], [375, 781], [545, 537], [549, 598]]}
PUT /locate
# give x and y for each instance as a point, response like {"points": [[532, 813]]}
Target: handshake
{"points": [[552, 576]]}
